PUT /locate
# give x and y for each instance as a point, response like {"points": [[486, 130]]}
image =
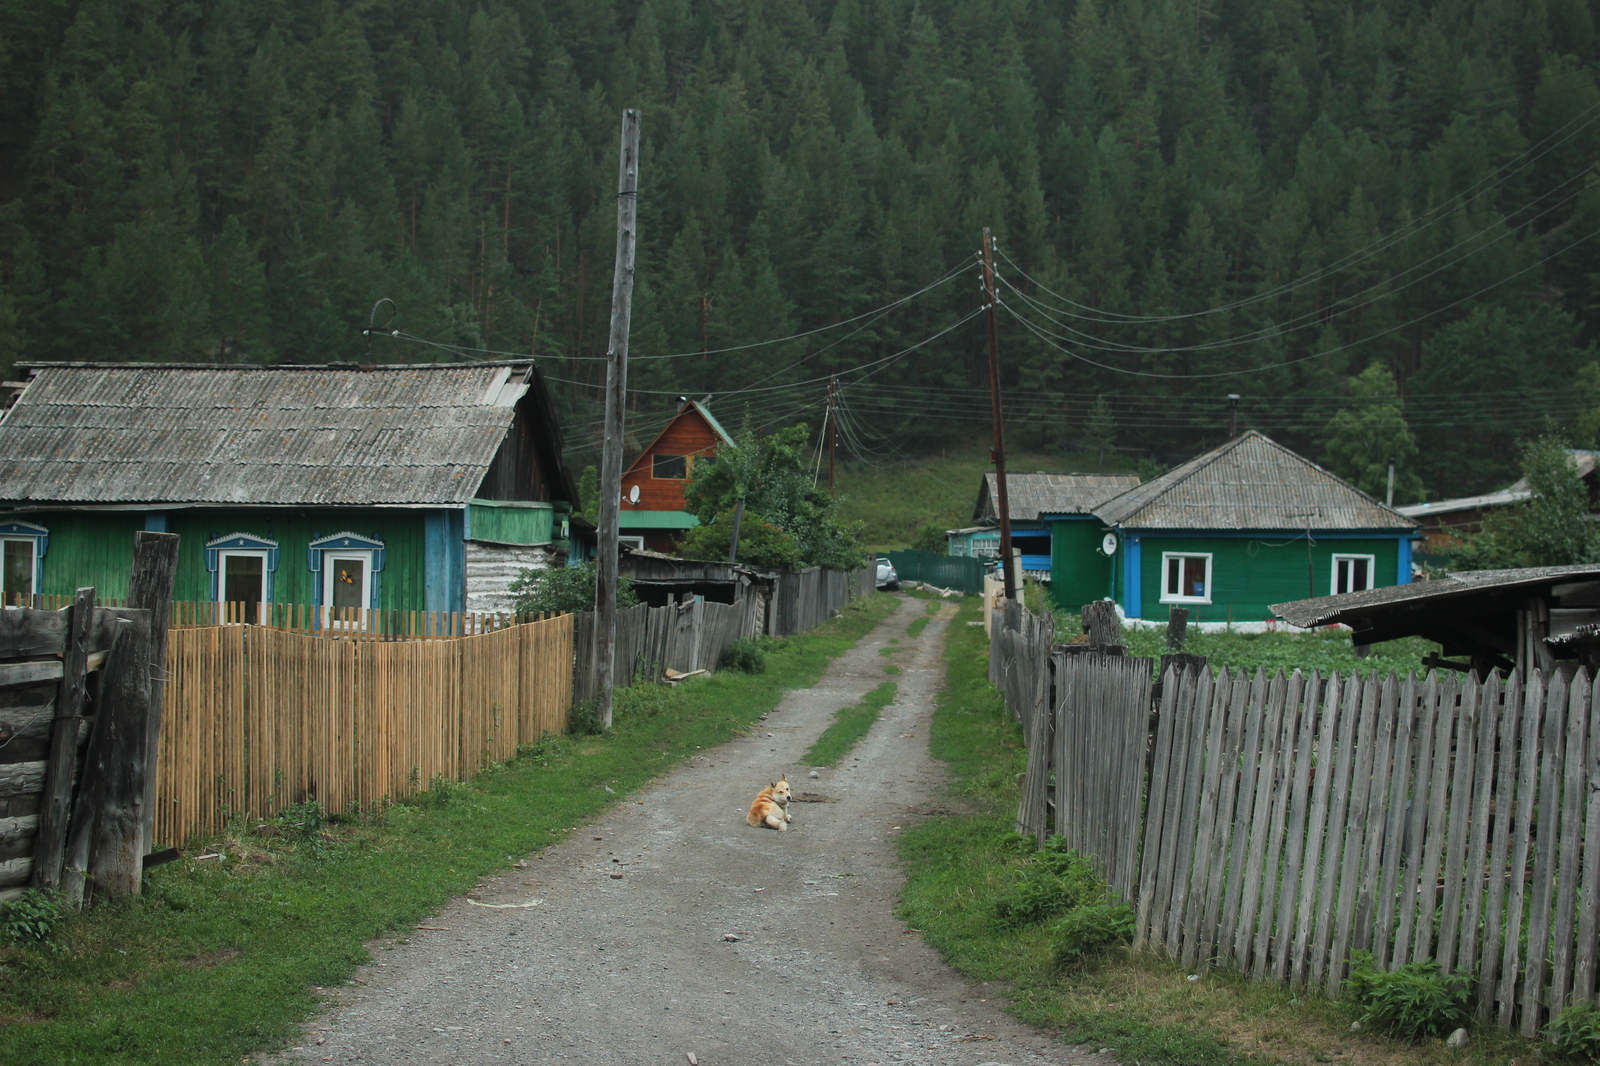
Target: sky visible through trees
{"points": [[1191, 198]]}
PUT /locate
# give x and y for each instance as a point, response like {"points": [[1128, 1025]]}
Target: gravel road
{"points": [[668, 931]]}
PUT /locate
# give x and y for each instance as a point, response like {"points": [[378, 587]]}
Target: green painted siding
{"points": [[97, 549], [1079, 573], [1248, 574], [511, 523], [88, 550]]}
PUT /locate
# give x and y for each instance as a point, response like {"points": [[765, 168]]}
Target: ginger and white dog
{"points": [[771, 806]]}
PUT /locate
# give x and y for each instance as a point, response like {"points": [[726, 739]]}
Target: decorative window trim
{"points": [[346, 543], [242, 544], [1167, 596], [1345, 557], [39, 535]]}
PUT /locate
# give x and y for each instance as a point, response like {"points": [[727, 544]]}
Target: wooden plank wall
{"points": [[1295, 820], [1290, 821], [258, 719]]}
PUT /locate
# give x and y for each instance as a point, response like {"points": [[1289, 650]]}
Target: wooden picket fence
{"points": [[258, 718], [1277, 825]]}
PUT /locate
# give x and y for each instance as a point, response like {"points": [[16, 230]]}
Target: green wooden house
{"points": [[423, 487], [1229, 533]]}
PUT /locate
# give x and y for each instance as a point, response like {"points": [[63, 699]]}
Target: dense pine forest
{"points": [[1343, 213]]}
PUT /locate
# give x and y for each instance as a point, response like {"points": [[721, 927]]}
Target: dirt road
{"points": [[669, 929]]}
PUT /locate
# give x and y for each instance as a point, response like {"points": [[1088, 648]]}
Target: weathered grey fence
{"points": [[1284, 823], [692, 636]]}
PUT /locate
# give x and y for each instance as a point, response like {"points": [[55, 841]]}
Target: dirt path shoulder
{"points": [[669, 928]]}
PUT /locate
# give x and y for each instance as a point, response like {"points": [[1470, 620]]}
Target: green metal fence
{"points": [[947, 571]]}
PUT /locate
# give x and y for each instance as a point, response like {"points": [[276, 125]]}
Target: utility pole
{"points": [[999, 428], [1388, 497], [605, 589], [1233, 415], [833, 426]]}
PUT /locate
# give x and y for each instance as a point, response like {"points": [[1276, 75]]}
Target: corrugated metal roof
{"points": [[126, 433], [1251, 482], [1465, 503], [1350, 606], [1030, 495]]}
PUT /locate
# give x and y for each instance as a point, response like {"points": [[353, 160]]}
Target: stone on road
{"points": [[669, 930]]}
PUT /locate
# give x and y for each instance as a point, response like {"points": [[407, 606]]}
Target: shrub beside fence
{"points": [[257, 718], [1277, 825]]}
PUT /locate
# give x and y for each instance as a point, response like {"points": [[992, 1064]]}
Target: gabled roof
{"points": [[1030, 495], [689, 408], [129, 433], [1251, 482]]}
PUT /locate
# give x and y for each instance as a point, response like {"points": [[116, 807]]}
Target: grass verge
{"points": [[849, 725], [223, 957], [1141, 1006]]}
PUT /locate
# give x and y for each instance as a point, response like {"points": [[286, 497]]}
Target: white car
{"points": [[887, 578]]}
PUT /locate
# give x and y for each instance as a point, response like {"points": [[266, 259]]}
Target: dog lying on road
{"points": [[771, 806]]}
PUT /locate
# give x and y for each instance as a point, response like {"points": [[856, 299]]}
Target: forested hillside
{"points": [[1180, 189]]}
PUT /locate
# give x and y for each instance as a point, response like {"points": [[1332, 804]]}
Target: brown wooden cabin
{"points": [[653, 512]]}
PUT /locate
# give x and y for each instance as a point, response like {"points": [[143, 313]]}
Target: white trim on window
{"points": [[1173, 577], [629, 541], [264, 594], [356, 569], [31, 545], [1358, 576]]}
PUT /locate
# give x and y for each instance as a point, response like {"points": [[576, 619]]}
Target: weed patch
{"points": [[849, 725]]}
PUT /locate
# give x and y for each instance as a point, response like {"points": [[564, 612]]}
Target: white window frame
{"points": [[330, 568], [266, 577], [1167, 596], [33, 568], [1333, 577], [38, 538], [630, 541]]}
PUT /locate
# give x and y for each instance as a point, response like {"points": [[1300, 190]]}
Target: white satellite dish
{"points": [[1108, 544], [633, 494]]}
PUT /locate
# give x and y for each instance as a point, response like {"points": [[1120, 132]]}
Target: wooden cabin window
{"points": [[242, 578], [1185, 578], [19, 569], [670, 467], [1352, 573]]}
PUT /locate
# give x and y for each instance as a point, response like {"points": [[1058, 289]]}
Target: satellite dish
{"points": [[1108, 544], [633, 494]]}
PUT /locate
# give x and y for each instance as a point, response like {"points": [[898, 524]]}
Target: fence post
{"points": [[56, 804], [155, 567]]}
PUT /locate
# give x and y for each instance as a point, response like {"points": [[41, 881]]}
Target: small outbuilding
{"points": [[1037, 502]]}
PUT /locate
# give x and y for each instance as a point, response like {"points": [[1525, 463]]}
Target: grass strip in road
{"points": [[849, 725], [1142, 1006], [226, 956]]}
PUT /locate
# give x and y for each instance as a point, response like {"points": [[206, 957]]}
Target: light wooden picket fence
{"points": [[258, 718]]}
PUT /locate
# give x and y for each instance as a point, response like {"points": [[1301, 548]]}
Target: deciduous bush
{"points": [[1575, 1034], [1054, 880], [748, 656], [563, 588], [31, 916], [1411, 1002], [1089, 928]]}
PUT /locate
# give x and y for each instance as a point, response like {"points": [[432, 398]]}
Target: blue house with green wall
{"points": [[423, 487], [1226, 535]]}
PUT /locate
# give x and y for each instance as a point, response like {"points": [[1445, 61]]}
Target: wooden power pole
{"points": [[833, 424], [999, 421], [605, 590]]}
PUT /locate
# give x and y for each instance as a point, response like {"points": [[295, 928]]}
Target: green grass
{"points": [[1140, 1005], [918, 624], [895, 500], [222, 958], [849, 725], [1317, 649]]}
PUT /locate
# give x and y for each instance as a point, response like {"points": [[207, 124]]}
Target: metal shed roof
{"points": [[1031, 495], [1359, 609], [1251, 482], [202, 434]]}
